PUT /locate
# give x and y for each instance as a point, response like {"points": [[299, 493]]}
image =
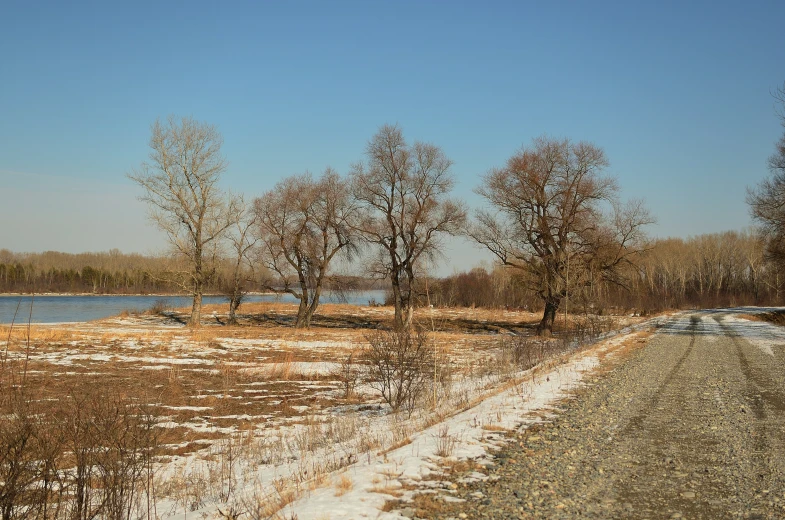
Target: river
{"points": [[58, 309]]}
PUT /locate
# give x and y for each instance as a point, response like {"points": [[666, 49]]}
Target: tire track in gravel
{"points": [[671, 476], [637, 421], [764, 390], [766, 399], [688, 426]]}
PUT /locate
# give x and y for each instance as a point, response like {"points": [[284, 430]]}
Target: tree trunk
{"points": [[396, 288], [302, 310], [198, 288], [196, 309], [314, 305], [234, 303], [545, 327]]}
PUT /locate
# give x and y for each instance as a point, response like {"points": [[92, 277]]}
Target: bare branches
{"points": [[403, 190], [767, 200], [242, 238], [304, 224], [180, 182], [549, 201]]}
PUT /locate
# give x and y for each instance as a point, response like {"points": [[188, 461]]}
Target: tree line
{"points": [[114, 272], [711, 270], [109, 272]]}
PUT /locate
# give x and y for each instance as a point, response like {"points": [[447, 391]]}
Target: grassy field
{"points": [[261, 406]]}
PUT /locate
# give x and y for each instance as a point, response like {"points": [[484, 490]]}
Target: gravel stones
{"points": [[688, 426]]}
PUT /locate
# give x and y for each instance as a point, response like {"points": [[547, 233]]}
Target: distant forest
{"points": [[722, 269], [97, 273], [705, 271], [114, 272]]}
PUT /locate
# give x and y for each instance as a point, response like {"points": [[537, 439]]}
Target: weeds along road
{"points": [[690, 426]]}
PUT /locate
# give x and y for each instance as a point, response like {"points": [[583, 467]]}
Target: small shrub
{"points": [[589, 327], [19, 456], [159, 307], [348, 374], [445, 443], [400, 365], [85, 456], [526, 352]]}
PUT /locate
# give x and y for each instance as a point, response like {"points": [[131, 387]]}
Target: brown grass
{"points": [[36, 333], [224, 386], [775, 317], [344, 485], [494, 428], [399, 444]]}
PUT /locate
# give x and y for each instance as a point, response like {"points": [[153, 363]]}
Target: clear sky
{"points": [[677, 93]]}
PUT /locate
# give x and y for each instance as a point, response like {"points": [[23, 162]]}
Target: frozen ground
{"points": [[255, 419]]}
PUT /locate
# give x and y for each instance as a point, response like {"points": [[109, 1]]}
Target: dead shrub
{"points": [[29, 484], [348, 374], [159, 307], [445, 442], [588, 327], [400, 365], [524, 352], [112, 441], [80, 457]]}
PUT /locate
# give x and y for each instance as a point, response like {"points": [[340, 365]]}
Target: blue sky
{"points": [[677, 93]]}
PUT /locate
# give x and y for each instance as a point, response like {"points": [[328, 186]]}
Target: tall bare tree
{"points": [[304, 224], [767, 200], [180, 182], [557, 217], [404, 190]]}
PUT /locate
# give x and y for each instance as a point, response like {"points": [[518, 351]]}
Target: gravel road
{"points": [[692, 425]]}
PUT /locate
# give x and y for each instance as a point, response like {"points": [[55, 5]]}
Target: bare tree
{"points": [[404, 193], [242, 237], [304, 224], [181, 186], [767, 200], [558, 219]]}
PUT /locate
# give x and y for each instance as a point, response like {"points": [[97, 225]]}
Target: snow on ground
{"points": [[414, 462], [766, 336], [363, 480], [262, 421]]}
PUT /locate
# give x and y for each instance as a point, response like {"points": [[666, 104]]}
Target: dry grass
{"points": [[344, 485], [396, 444], [36, 333], [426, 505], [775, 317], [494, 428], [445, 442], [251, 386]]}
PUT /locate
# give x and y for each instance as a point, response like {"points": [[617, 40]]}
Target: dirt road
{"points": [[690, 426]]}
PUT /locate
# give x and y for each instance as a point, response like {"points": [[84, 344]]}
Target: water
{"points": [[58, 309]]}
